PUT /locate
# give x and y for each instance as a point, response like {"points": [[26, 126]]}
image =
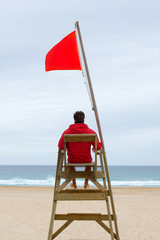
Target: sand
{"points": [[25, 214]]}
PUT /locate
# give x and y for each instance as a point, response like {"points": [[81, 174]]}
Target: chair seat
{"points": [[92, 164]]}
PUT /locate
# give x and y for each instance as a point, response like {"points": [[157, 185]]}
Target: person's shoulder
{"points": [[91, 130], [67, 131]]}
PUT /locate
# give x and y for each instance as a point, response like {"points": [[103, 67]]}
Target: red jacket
{"points": [[79, 152]]}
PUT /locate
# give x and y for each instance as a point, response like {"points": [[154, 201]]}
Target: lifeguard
{"points": [[79, 152]]}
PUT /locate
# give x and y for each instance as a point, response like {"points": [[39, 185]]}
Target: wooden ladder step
{"points": [[78, 195], [83, 217]]}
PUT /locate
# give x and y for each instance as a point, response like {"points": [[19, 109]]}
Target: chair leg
{"points": [[52, 220], [54, 205], [107, 202], [87, 169]]}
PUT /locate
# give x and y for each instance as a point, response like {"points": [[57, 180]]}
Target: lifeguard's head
{"points": [[79, 117]]}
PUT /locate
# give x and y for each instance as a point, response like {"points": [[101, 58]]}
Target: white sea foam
{"points": [[129, 183], [50, 182], [136, 183], [27, 182]]}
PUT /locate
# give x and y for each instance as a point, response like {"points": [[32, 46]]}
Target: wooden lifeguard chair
{"points": [[101, 192]]}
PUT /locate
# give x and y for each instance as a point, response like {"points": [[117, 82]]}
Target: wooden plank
{"points": [[64, 196], [54, 204], [81, 174], [92, 164], [82, 190], [61, 229], [82, 217], [106, 227], [64, 184], [98, 184], [111, 195], [107, 202], [79, 137]]}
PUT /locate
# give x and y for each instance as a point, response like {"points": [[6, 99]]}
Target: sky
{"points": [[122, 45]]}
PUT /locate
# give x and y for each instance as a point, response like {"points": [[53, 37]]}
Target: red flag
{"points": [[64, 55]]}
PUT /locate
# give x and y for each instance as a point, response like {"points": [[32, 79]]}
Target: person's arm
{"points": [[61, 140], [99, 144]]}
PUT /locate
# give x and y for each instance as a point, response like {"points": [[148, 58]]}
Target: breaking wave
{"points": [[50, 182]]}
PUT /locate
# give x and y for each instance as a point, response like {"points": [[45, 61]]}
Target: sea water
{"points": [[125, 176]]}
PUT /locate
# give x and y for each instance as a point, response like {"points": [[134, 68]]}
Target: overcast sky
{"points": [[122, 45]]}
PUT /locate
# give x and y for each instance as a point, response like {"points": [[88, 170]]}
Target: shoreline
{"points": [[115, 190]]}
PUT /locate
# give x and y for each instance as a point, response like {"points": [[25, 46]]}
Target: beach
{"points": [[25, 214]]}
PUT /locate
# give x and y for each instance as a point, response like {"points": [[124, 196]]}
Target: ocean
{"points": [[124, 176]]}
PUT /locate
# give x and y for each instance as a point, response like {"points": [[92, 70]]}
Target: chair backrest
{"points": [[80, 138]]}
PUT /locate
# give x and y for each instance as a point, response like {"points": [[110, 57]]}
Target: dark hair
{"points": [[79, 117]]}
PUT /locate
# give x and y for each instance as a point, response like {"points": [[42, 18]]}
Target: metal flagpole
{"points": [[98, 123]]}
